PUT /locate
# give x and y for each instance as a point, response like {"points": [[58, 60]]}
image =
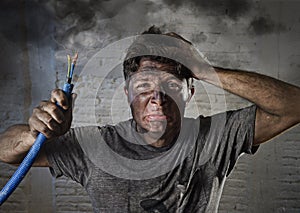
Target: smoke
{"points": [[252, 13], [78, 23], [265, 25], [232, 9], [91, 23]]}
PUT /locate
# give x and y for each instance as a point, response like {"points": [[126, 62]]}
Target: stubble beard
{"points": [[159, 133]]}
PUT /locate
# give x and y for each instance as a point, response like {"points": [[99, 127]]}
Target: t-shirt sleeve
{"points": [[236, 135], [66, 157], [239, 133]]}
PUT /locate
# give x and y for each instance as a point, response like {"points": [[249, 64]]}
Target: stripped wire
{"points": [[69, 65], [73, 64]]}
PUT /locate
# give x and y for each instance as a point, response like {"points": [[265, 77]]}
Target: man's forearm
{"points": [[271, 95], [15, 143]]}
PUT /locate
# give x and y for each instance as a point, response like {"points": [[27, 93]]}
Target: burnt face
{"points": [[157, 98]]}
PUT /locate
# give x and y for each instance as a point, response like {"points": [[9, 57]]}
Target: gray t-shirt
{"points": [[123, 174]]}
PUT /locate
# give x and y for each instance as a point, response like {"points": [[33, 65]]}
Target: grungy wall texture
{"points": [[259, 36]]}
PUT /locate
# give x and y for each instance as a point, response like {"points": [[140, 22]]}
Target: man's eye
{"points": [[174, 86]]}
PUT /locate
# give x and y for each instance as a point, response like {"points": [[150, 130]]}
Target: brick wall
{"points": [[255, 36]]}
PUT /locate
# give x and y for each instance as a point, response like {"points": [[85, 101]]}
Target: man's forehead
{"points": [[147, 64], [152, 73]]}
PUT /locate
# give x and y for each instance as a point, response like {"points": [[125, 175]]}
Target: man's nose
{"points": [[158, 97]]}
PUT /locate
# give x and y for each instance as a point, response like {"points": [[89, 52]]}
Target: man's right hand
{"points": [[48, 118], [52, 118]]}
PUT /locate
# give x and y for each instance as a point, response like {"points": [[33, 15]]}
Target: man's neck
{"points": [[159, 139]]}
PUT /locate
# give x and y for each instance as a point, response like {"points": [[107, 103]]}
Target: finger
{"points": [[53, 110], [33, 131], [37, 126], [59, 97], [48, 121]]}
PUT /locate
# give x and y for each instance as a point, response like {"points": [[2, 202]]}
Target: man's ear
{"points": [[126, 93]]}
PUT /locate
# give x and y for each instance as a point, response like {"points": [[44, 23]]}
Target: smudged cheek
{"points": [[138, 105], [178, 101]]}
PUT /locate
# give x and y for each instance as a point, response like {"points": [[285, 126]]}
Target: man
{"points": [[192, 157]]}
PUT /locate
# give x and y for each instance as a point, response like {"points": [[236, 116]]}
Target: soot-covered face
{"points": [[157, 98]]}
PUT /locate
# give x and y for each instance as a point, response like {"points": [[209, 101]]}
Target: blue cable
{"points": [[24, 167]]}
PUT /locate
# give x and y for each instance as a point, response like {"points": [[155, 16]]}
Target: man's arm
{"points": [[278, 102], [47, 119], [15, 143]]}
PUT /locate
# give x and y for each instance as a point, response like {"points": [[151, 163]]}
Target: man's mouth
{"points": [[156, 117]]}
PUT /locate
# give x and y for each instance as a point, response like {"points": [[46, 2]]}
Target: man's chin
{"points": [[157, 126], [155, 129]]}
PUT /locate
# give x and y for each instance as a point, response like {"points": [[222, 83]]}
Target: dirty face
{"points": [[157, 98]]}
